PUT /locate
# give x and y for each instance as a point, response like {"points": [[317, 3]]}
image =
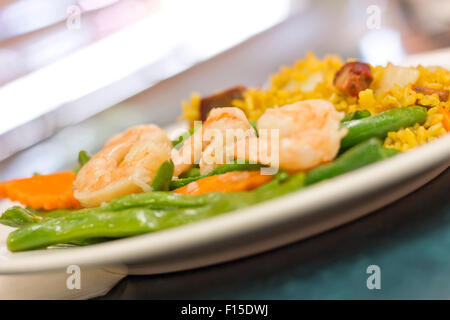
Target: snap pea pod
{"points": [[283, 185], [281, 176], [82, 225], [82, 242], [85, 225], [88, 242], [234, 166], [359, 156], [163, 176], [158, 200], [17, 217], [378, 125], [355, 115], [59, 212]]}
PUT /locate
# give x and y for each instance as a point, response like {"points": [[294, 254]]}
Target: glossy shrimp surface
{"points": [[126, 164], [207, 146], [296, 137]]}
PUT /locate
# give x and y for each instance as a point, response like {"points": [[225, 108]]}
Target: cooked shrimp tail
{"points": [[295, 137], [127, 164], [207, 145]]}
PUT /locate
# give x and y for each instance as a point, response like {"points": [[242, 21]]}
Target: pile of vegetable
{"points": [[190, 198]]}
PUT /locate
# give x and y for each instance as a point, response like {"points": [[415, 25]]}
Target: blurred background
{"points": [[63, 61]]}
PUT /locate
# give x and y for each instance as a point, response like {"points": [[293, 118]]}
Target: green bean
{"points": [[380, 124], [237, 165], [355, 115], [178, 183], [359, 156], [163, 176], [83, 158], [190, 173], [255, 126], [389, 152], [178, 142]]}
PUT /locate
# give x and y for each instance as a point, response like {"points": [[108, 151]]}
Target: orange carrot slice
{"points": [[227, 182], [445, 120], [3, 190], [52, 191]]}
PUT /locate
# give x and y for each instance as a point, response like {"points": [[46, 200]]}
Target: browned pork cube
{"points": [[220, 99], [353, 77]]}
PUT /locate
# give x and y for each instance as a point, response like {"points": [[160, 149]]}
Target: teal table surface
{"points": [[409, 240]]}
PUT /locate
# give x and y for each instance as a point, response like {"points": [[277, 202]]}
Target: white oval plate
{"points": [[262, 227], [268, 225]]}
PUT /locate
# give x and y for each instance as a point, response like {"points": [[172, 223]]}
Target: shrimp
{"points": [[127, 164], [294, 137], [207, 146]]}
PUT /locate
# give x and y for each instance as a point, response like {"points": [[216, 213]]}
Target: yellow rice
{"points": [[312, 78]]}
